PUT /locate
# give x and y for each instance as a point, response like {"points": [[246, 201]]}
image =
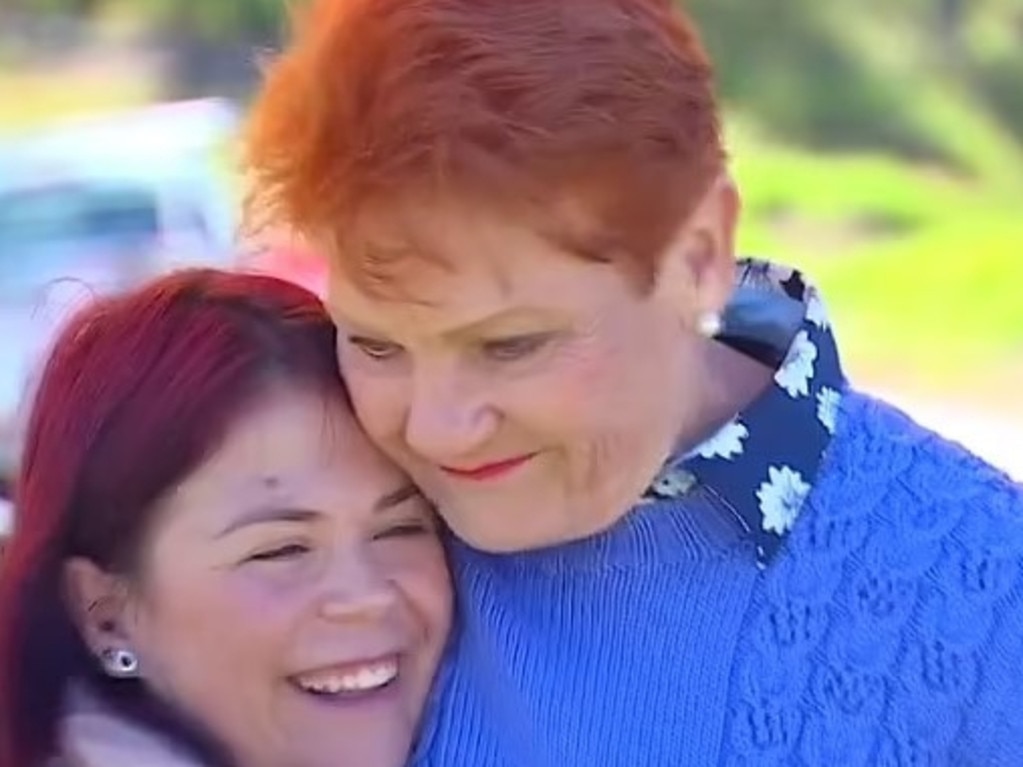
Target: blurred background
{"points": [[878, 144]]}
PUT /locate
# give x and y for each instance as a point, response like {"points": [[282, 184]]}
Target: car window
{"points": [[57, 231]]}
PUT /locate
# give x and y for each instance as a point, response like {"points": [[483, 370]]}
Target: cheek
{"points": [[421, 573], [197, 630], [599, 409], [379, 404], [573, 400]]}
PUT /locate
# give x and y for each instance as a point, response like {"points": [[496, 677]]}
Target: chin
{"points": [[497, 539], [375, 754]]}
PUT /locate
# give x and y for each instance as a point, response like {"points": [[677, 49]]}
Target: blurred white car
{"points": [[96, 206]]}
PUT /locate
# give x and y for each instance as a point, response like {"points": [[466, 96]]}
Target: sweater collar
{"points": [[763, 463]]}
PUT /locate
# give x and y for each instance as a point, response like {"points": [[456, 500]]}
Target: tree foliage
{"points": [[840, 73]]}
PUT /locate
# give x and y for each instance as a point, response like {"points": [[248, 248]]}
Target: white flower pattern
{"points": [[779, 274], [762, 464], [781, 498], [828, 400], [816, 311], [795, 374], [726, 443]]}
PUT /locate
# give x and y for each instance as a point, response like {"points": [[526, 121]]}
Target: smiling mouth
{"points": [[351, 679], [489, 470]]}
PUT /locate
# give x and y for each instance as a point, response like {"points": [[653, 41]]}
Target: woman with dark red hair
{"points": [[210, 564]]}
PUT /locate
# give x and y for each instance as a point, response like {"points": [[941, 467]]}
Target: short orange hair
{"points": [[523, 104]]}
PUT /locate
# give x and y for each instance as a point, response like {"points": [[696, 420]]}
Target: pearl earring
{"points": [[710, 324], [120, 664]]}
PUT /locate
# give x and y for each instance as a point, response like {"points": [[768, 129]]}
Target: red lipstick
{"points": [[487, 471]]}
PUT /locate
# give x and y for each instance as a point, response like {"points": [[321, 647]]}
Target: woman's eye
{"points": [[377, 350], [280, 553], [514, 348], [404, 530]]}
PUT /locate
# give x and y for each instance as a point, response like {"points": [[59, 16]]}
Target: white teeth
{"points": [[364, 679]]}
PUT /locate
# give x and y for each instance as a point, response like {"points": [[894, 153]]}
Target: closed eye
{"points": [[515, 347], [280, 553], [404, 530], [375, 348]]}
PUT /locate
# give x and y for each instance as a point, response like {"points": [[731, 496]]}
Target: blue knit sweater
{"points": [[884, 628]]}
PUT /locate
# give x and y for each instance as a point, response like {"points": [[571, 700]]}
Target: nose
{"points": [[355, 591], [447, 419]]}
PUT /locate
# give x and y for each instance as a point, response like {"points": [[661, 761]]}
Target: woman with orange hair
{"points": [[679, 536]]}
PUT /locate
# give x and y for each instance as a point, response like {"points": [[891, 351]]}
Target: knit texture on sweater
{"points": [[888, 631]]}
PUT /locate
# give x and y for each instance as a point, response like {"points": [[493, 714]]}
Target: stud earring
{"points": [[120, 664], [710, 324]]}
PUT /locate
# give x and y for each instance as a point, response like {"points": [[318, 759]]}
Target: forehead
{"points": [[456, 263], [290, 447]]}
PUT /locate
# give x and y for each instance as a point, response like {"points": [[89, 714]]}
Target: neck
{"points": [[730, 383]]}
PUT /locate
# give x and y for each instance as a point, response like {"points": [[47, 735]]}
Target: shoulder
{"points": [[92, 735], [879, 449], [909, 494], [917, 497], [920, 545]]}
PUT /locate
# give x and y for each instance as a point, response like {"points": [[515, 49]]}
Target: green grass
{"points": [[946, 299], [921, 269], [921, 263]]}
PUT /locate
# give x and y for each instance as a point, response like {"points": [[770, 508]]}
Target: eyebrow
{"points": [[466, 329], [267, 514], [396, 497], [506, 315]]}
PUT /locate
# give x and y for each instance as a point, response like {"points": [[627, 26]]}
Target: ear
{"points": [[697, 272], [97, 602]]}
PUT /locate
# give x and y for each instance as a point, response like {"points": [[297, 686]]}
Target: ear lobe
{"points": [[96, 602]]}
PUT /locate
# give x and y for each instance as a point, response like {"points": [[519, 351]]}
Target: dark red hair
{"points": [[138, 390], [534, 106]]}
